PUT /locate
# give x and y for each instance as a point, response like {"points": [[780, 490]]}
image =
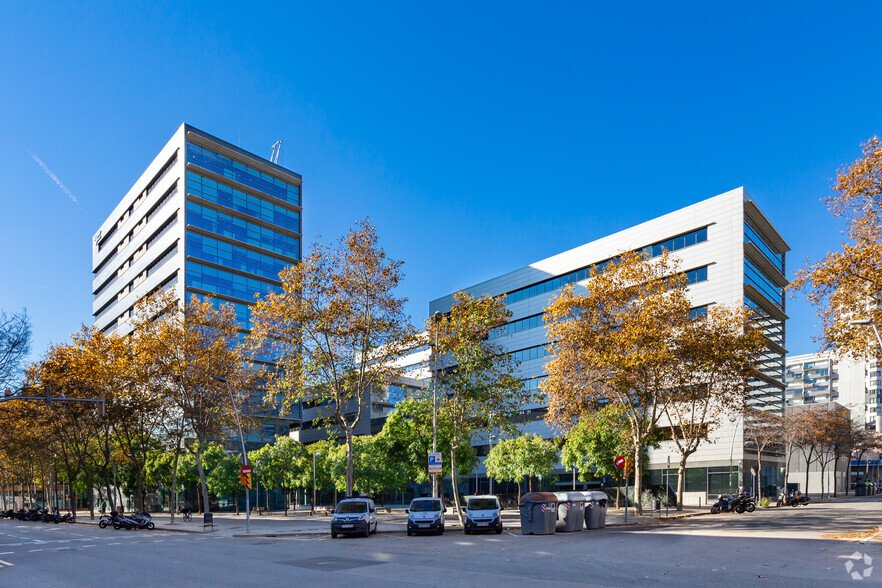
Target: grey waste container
{"points": [[570, 511], [595, 510], [538, 513], [860, 489]]}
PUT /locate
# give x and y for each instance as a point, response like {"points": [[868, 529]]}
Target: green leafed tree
{"points": [[596, 440], [338, 327], [525, 456], [478, 386], [407, 439], [222, 474]]}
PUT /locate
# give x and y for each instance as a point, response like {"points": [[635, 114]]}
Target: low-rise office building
{"points": [[731, 254]]}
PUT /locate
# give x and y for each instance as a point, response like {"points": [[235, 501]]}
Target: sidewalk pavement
{"points": [[301, 523]]}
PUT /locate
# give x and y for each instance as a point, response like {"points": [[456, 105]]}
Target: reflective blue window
{"points": [[224, 195], [654, 250], [752, 235], [225, 283], [755, 277], [245, 174], [530, 322], [219, 223], [529, 353], [233, 257], [698, 311], [697, 275]]}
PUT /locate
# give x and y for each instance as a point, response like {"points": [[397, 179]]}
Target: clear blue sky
{"points": [[479, 137]]}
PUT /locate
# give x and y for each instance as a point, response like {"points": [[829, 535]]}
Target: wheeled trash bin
{"points": [[538, 513], [595, 509], [570, 511]]}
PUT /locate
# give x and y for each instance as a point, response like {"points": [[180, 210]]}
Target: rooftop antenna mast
{"points": [[277, 150]]}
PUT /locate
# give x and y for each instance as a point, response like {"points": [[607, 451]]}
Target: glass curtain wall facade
{"points": [[207, 219], [730, 253]]}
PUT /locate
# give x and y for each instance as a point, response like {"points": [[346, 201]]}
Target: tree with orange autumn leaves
{"points": [[478, 387], [338, 327], [847, 284], [631, 339], [192, 353], [157, 381]]}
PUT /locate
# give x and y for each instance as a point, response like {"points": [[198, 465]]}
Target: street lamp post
{"points": [[436, 318], [244, 454]]}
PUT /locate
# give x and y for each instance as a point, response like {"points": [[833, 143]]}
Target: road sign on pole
{"points": [[619, 462], [435, 463]]}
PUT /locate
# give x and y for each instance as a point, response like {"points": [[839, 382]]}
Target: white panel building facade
{"points": [[731, 254], [818, 378]]}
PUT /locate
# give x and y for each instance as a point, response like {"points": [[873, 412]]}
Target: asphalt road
{"points": [[776, 547]]}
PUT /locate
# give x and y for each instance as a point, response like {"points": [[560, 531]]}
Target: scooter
{"points": [[142, 520]]}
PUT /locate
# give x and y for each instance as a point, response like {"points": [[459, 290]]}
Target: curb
{"points": [[192, 532]]}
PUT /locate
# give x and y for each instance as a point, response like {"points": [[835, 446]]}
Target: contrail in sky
{"points": [[55, 179]]}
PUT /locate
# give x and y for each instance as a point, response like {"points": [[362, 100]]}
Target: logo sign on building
{"points": [[435, 463]]}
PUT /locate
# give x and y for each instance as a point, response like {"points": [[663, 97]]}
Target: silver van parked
{"points": [[355, 516], [425, 515]]}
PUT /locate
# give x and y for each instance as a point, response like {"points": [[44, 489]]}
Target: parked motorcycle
{"points": [[794, 500], [725, 503]]}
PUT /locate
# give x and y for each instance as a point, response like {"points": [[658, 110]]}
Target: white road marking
{"points": [[88, 546], [5, 563]]}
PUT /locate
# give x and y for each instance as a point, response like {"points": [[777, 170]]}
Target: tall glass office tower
{"points": [[205, 218]]}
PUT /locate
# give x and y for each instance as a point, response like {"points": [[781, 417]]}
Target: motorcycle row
{"points": [[42, 515], [138, 520], [738, 503]]}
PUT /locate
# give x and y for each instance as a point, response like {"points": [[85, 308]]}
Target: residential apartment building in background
{"points": [[731, 254], [205, 218], [818, 378]]}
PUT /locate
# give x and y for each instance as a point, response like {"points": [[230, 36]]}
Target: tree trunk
{"points": [[349, 468], [204, 506], [139, 495], [530, 483], [453, 485], [835, 468], [237, 502], [759, 473], [638, 482], [173, 499], [787, 466], [287, 494], [808, 465], [681, 482], [89, 493]]}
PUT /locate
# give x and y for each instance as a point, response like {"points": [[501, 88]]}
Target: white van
{"points": [[425, 515], [482, 514]]}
